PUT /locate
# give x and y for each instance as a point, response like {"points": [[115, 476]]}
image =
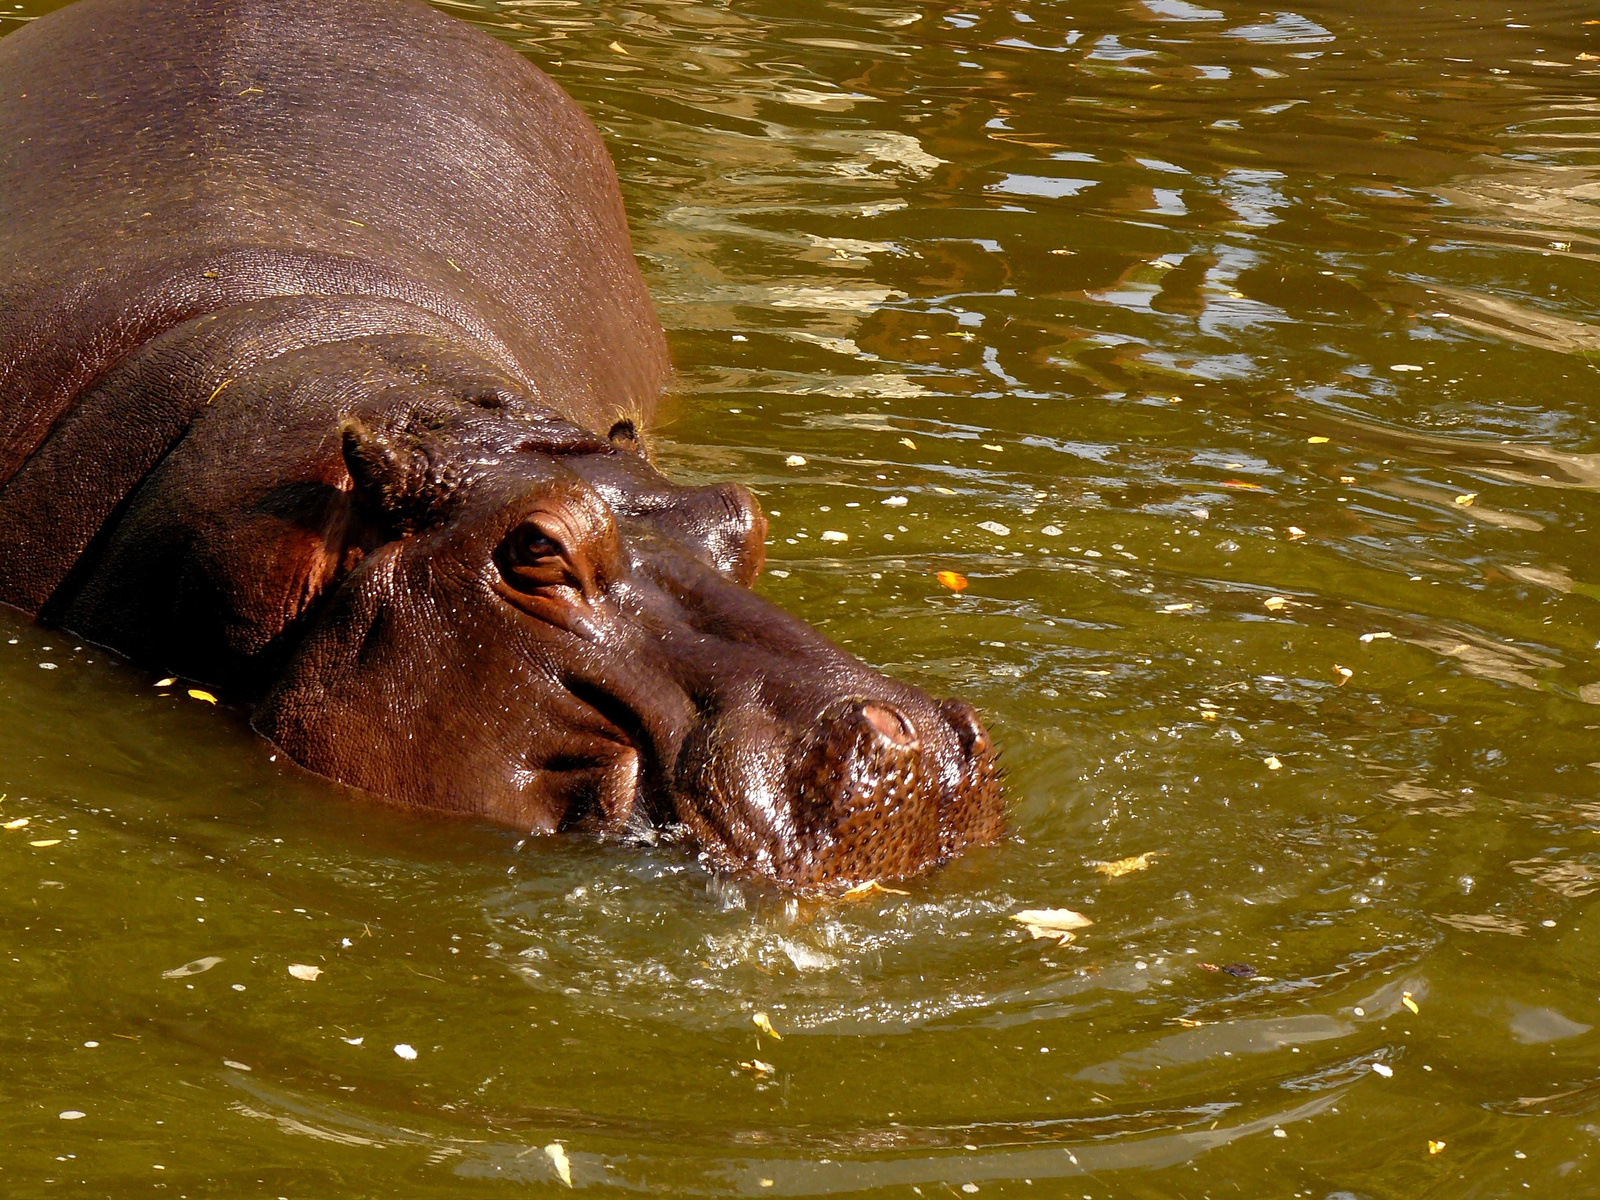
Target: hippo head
{"points": [[543, 630]]}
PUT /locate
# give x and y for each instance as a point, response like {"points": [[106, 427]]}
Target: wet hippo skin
{"points": [[325, 368]]}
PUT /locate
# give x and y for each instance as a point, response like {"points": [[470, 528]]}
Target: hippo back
{"points": [[165, 159]]}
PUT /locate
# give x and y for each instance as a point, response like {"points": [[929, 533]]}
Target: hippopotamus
{"points": [[326, 374]]}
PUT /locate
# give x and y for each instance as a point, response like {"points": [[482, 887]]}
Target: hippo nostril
{"points": [[969, 729], [890, 723]]}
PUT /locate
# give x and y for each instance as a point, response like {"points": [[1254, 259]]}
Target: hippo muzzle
{"points": [[866, 791]]}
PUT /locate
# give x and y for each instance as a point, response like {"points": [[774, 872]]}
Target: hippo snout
{"points": [[871, 790]]}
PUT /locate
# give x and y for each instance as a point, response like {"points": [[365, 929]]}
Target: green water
{"points": [[1244, 366]]}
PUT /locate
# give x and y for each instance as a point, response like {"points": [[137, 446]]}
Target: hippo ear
{"points": [[395, 475]]}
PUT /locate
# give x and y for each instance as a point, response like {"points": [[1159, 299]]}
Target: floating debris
{"points": [[45, 843], [1272, 762], [305, 971], [19, 823], [764, 1023], [237, 1066], [995, 528], [834, 535], [557, 1154], [895, 501], [758, 1068], [1239, 485], [1295, 533], [953, 580], [1183, 607], [200, 694], [1465, 499], [167, 682], [1373, 637], [1434, 1147], [1239, 970], [72, 1114], [862, 890], [1275, 603], [197, 967], [1383, 1069], [1344, 674], [1058, 923], [1317, 441], [908, 443], [795, 460], [1405, 998], [1126, 866], [405, 1051]]}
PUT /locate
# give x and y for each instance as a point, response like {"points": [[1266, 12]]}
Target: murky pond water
{"points": [[1244, 364]]}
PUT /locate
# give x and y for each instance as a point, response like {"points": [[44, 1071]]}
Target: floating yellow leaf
{"points": [[1316, 441], [1466, 498], [1185, 607], [756, 1067], [557, 1154], [1347, 479], [795, 460], [862, 890], [1344, 674], [1275, 603], [305, 971], [1058, 923], [17, 824], [46, 842], [953, 580], [1272, 762], [764, 1023], [908, 443], [1126, 866], [1240, 485], [1295, 533], [167, 682], [620, 49], [1405, 998], [1434, 1147], [197, 694]]}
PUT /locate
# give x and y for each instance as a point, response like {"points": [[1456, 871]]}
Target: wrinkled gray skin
{"points": [[324, 367]]}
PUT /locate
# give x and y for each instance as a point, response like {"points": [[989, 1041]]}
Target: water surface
{"points": [[1245, 365]]}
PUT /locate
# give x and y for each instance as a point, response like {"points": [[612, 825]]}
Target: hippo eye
{"points": [[531, 560]]}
